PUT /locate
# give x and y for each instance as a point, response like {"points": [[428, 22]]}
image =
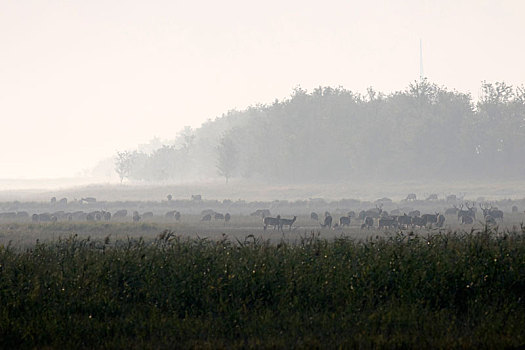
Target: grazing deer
{"points": [[327, 221], [287, 222], [269, 221], [414, 213], [389, 222], [432, 197], [418, 221], [314, 216], [411, 197], [373, 213], [173, 214], [206, 217], [344, 221], [404, 220], [218, 216], [369, 222], [227, 217], [120, 214], [430, 218], [261, 212]]}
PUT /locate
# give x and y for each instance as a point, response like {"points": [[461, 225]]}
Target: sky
{"points": [[81, 80]]}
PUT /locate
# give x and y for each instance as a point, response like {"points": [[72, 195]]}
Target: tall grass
{"points": [[441, 291]]}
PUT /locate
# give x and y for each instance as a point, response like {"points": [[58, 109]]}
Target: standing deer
{"points": [[404, 220], [327, 221], [470, 212], [368, 223], [494, 212], [287, 222], [344, 221], [440, 220], [388, 222], [269, 221]]}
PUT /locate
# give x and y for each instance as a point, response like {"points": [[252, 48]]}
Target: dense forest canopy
{"points": [[335, 135]]}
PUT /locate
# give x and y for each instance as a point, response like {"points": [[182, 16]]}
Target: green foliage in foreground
{"points": [[441, 291]]}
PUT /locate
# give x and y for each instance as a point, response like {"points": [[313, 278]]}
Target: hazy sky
{"points": [[80, 80]]}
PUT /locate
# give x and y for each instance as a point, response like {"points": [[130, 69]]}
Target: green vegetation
{"points": [[439, 291]]}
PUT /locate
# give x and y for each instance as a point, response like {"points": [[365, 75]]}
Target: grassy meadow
{"points": [[434, 290]]}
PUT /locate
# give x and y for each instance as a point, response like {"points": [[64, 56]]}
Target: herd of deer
{"points": [[385, 220], [375, 217], [278, 222], [97, 215], [490, 213]]}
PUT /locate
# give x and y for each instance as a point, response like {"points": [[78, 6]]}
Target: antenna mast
{"points": [[421, 75]]}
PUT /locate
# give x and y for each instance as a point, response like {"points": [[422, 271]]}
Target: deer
{"points": [[344, 221], [432, 197], [404, 220], [388, 222], [269, 221], [430, 218], [494, 212], [373, 213], [368, 222], [440, 220], [287, 222], [411, 197], [470, 212], [327, 221], [414, 213]]}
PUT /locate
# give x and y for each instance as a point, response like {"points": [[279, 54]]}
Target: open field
{"points": [[41, 191], [72, 282], [26, 234]]}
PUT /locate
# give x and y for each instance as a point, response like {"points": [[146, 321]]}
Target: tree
{"points": [[123, 164], [227, 157]]}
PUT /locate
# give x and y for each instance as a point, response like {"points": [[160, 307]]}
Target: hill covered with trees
{"points": [[335, 135]]}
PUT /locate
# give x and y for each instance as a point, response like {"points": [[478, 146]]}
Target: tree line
{"points": [[334, 135]]}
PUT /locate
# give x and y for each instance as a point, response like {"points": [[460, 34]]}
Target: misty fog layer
{"points": [[335, 135]]}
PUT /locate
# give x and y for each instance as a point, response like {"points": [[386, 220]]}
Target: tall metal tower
{"points": [[421, 75]]}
